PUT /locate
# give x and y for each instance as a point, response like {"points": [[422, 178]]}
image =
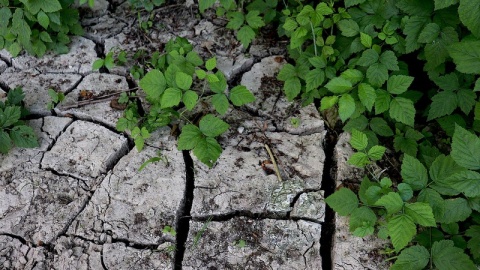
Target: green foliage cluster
{"points": [[170, 88], [37, 26], [13, 131], [402, 74]]}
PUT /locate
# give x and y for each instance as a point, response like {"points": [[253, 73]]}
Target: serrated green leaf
{"points": [[194, 59], [402, 110], [43, 19], [34, 6], [382, 102], [474, 242], [376, 152], [205, 4], [5, 15], [218, 86], [353, 75], [201, 74], [358, 140], [348, 27], [235, 20], [220, 103], [439, 4], [456, 210], [389, 59], [212, 126], [466, 149], [381, 127], [441, 169], [245, 35], [9, 116], [183, 80], [254, 20], [392, 202], [171, 97], [421, 213], [466, 55], [398, 84], [328, 102], [343, 201], [412, 30], [20, 27], [359, 159], [211, 63], [468, 12], [189, 137], [467, 182], [369, 57], [367, 95], [405, 191], [362, 217], [288, 71], [5, 142], [429, 33], [292, 88], [446, 256], [45, 37], [443, 103], [414, 173], [23, 136], [366, 40], [314, 79], [412, 258], [434, 199], [339, 85], [320, 62], [466, 100], [364, 185], [346, 107], [449, 122], [239, 95], [190, 99], [208, 151], [401, 229], [290, 25], [377, 74], [153, 84]]}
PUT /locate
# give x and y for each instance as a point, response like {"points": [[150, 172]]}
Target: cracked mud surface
{"points": [[79, 202]]}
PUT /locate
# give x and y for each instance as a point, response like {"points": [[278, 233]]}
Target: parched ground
{"points": [[79, 202]]}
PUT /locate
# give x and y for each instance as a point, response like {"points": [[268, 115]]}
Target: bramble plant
{"points": [[170, 90], [56, 97], [37, 26], [13, 131]]}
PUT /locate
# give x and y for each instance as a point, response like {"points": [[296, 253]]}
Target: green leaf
{"points": [[353, 75], [183, 80], [381, 127], [201, 74], [466, 55], [398, 84], [382, 102], [468, 12], [9, 116], [364, 185], [412, 258], [212, 126], [23, 136], [5, 15], [190, 99], [456, 210], [474, 242], [314, 79], [153, 84], [401, 229], [405, 191], [414, 173], [366, 40], [434, 199], [346, 107], [377, 74], [220, 103], [5, 142], [376, 152], [98, 64], [292, 88], [402, 110], [343, 201], [43, 19], [193, 58], [421, 213], [466, 100], [392, 202], [349, 28], [220, 85], [446, 256], [390, 61], [20, 27], [239, 95], [205, 4], [254, 20], [362, 217], [171, 97], [413, 27], [208, 151], [429, 33], [369, 57], [358, 140], [34, 6], [443, 103], [439, 4], [320, 62], [449, 122], [245, 35], [467, 182], [441, 169], [211, 63], [328, 102], [45, 37], [466, 149], [189, 138], [359, 159], [339, 85], [367, 95]]}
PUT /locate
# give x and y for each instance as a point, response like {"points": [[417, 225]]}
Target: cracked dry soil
{"points": [[79, 202]]}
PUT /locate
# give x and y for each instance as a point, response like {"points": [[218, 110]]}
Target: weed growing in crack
{"points": [[55, 98]]}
